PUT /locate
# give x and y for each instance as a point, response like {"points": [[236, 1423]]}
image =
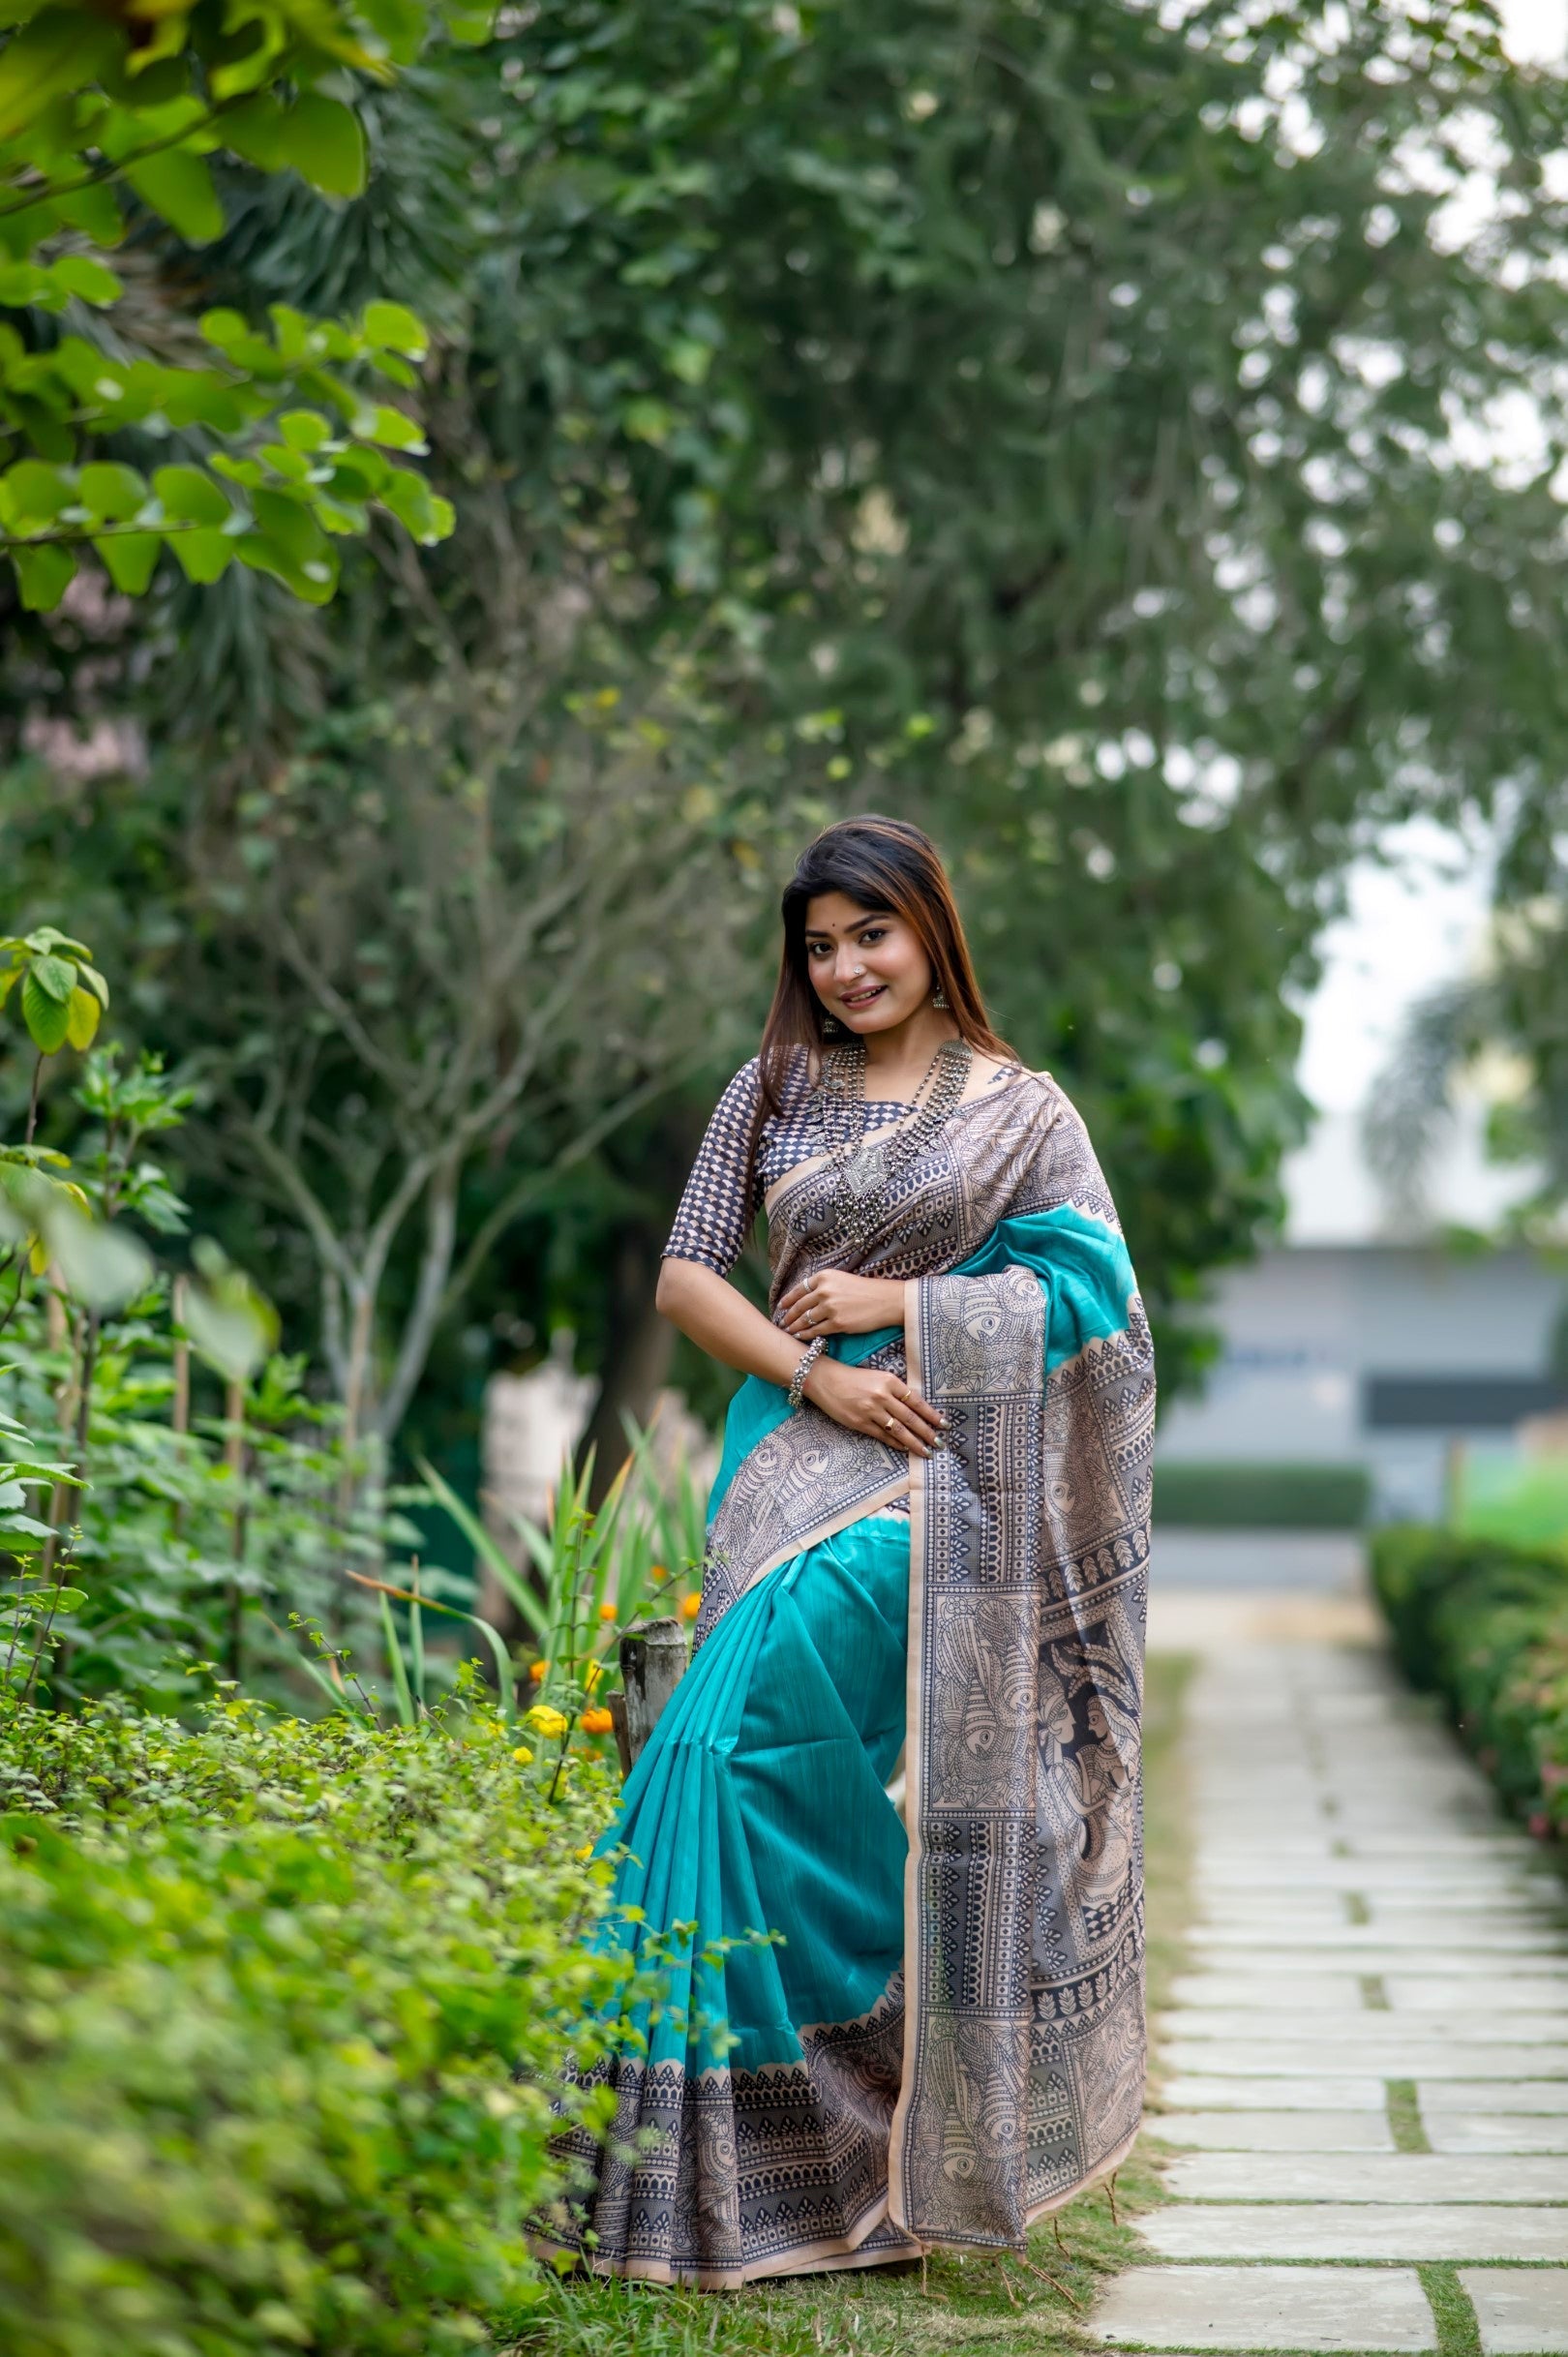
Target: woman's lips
{"points": [[863, 998]]}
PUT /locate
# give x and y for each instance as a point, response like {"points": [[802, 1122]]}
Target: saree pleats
{"points": [[753, 2102]]}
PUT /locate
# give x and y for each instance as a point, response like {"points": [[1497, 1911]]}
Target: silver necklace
{"points": [[866, 1167]]}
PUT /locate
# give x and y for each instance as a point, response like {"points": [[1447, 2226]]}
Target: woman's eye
{"points": [[875, 932]]}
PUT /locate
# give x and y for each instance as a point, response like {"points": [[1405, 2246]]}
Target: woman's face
{"points": [[869, 970]]}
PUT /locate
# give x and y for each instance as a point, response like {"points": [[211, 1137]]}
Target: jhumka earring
{"points": [[939, 996], [831, 1026]]}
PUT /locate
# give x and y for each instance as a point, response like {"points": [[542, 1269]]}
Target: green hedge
{"points": [[1238, 1497], [263, 1991], [1484, 1625]]}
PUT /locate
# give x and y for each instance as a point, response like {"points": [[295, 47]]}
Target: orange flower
{"points": [[607, 1610], [596, 1722], [537, 1670], [691, 1607]]}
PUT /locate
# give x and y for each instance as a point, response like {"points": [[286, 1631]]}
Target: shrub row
{"points": [[277, 2006], [1242, 1497], [1484, 1624]]}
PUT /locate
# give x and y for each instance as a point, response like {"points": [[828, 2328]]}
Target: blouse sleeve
{"points": [[720, 1200]]}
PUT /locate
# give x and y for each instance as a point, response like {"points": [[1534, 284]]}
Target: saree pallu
{"points": [[874, 2044]]}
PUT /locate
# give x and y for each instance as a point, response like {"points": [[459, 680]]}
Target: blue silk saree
{"points": [[875, 2042]]}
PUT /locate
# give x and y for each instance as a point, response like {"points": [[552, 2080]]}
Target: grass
{"points": [[967, 2304]]}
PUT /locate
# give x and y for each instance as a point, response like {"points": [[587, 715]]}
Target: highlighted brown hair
{"points": [[888, 868]]}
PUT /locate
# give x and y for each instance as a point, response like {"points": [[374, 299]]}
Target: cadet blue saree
{"points": [[874, 2042]]}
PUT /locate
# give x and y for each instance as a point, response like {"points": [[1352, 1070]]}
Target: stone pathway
{"points": [[1365, 2071]]}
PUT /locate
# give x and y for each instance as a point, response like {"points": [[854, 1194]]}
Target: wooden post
{"points": [[652, 1664], [234, 1455]]}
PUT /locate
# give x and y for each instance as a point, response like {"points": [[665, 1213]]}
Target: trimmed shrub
{"points": [[278, 2005], [1237, 1496], [1484, 1625]]}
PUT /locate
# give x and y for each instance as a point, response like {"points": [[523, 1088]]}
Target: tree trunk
{"points": [[638, 1347]]}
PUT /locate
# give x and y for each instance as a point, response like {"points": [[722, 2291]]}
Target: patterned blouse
{"points": [[718, 1207]]}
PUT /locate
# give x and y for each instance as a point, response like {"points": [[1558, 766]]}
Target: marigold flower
{"points": [[596, 1722], [691, 1607], [523, 1755], [545, 1721], [586, 1851], [538, 1670], [607, 1610]]}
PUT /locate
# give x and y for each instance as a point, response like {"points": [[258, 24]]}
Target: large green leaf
{"points": [[47, 1021], [178, 187], [325, 143]]}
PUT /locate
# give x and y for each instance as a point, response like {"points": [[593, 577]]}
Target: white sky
{"points": [[1413, 920]]}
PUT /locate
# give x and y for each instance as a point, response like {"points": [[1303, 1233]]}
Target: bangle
{"points": [[813, 1352]]}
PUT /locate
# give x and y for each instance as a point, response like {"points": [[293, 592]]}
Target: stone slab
{"points": [[1278, 1992], [1497, 2132], [1317, 2309], [1355, 2230], [1282, 2132], [1363, 2028], [1208, 2091], [1428, 1943], [1530, 2095], [1521, 2315], [1395, 2058], [1541, 1992], [1374, 1953], [1406, 2177]]}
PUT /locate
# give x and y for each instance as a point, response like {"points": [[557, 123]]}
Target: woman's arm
{"points": [[720, 1320]]}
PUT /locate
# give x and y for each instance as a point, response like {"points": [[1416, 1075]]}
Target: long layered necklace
{"points": [[867, 1167]]}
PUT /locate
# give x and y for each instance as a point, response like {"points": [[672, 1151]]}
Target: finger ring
{"points": [[887, 1421]]}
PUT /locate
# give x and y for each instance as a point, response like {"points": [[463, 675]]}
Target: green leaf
{"points": [[60, 51], [304, 429], [190, 495], [202, 555], [324, 142], [32, 494], [178, 188], [390, 429], [83, 1013], [130, 560], [113, 492], [102, 1264], [392, 327], [45, 574], [84, 275], [90, 976], [47, 1021], [254, 130], [55, 975]]}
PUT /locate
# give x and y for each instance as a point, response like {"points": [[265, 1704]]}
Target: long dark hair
{"points": [[888, 868]]}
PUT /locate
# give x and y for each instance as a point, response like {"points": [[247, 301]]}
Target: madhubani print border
{"points": [[805, 1481], [738, 2177], [1045, 2093]]}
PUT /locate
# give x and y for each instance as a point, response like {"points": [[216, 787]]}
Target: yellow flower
{"points": [[545, 1721], [691, 1607], [592, 1674], [523, 1755], [586, 1851]]}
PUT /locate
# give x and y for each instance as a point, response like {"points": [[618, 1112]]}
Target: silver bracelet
{"points": [[813, 1352]]}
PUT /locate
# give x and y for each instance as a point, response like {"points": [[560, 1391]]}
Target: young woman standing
{"points": [[929, 1536]]}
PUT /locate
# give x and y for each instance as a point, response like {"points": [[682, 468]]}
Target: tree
{"points": [[1062, 426], [110, 114]]}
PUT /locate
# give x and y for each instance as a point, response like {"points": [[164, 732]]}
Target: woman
{"points": [[928, 1533]]}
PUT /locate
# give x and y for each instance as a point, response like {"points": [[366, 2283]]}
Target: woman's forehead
{"points": [[837, 912]]}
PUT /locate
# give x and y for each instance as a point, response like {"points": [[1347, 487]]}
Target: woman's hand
{"points": [[863, 1400], [835, 1301]]}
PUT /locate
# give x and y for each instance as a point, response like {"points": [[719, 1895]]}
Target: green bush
{"points": [[278, 2005], [1484, 1625], [1260, 1497]]}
